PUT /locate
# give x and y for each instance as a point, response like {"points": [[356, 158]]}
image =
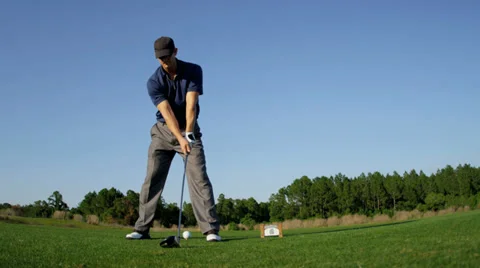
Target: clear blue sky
{"points": [[290, 89]]}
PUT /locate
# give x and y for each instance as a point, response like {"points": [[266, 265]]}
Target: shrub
{"points": [[472, 201], [456, 201], [435, 201], [233, 226], [248, 222], [388, 212], [422, 207]]}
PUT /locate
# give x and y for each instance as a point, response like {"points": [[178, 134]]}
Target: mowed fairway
{"points": [[449, 240]]}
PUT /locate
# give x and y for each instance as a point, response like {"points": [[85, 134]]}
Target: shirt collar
{"points": [[180, 69]]}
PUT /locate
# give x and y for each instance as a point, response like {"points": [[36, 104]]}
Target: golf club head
{"points": [[170, 242]]}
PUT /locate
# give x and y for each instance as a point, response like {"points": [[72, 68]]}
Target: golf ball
{"points": [[187, 234]]}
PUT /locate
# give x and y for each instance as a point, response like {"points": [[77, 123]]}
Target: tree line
{"points": [[320, 197]]}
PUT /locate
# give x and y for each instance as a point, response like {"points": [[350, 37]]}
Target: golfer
{"points": [[174, 89]]}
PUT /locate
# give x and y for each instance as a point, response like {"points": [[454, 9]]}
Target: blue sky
{"points": [[290, 90]]}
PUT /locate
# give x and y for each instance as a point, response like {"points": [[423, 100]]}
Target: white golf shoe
{"points": [[213, 238], [137, 235]]}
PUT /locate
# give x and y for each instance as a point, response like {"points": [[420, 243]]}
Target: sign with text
{"points": [[271, 230]]}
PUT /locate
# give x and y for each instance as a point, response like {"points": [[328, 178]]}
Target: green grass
{"points": [[450, 240]]}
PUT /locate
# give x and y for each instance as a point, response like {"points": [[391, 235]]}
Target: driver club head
{"points": [[170, 242]]}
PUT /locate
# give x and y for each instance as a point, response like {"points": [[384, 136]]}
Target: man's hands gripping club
{"points": [[186, 142]]}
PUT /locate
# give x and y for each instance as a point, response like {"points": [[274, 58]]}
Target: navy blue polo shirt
{"points": [[161, 87]]}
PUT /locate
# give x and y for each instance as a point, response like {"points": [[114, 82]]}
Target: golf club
{"points": [[174, 241]]}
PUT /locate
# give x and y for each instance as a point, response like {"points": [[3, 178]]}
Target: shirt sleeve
{"points": [[196, 84], [155, 91]]}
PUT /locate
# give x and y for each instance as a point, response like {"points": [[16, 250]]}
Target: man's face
{"points": [[168, 61]]}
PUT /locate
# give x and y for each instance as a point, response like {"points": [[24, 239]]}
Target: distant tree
{"points": [[55, 201], [323, 197], [5, 205], [225, 209], [410, 189], [344, 196], [169, 215], [303, 198], [253, 209], [89, 204], [279, 207], [106, 201], [363, 194], [426, 185], [449, 180], [465, 175], [394, 186], [188, 216], [377, 190], [299, 196]]}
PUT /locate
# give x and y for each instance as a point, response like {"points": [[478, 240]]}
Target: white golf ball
{"points": [[187, 234]]}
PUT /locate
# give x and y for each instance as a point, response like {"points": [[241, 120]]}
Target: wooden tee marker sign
{"points": [[271, 230]]}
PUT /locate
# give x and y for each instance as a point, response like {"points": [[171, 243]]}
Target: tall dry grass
{"points": [[429, 214], [380, 218], [446, 211], [291, 224], [401, 216], [354, 219], [309, 223], [357, 219], [415, 214], [333, 221]]}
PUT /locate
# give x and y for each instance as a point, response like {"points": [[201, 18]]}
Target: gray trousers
{"points": [[161, 152]]}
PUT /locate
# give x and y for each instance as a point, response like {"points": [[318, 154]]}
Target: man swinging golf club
{"points": [[174, 89]]}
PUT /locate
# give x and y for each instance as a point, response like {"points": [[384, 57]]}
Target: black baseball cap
{"points": [[164, 46]]}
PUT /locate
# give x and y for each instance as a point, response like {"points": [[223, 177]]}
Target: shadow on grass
{"points": [[350, 228], [322, 230]]}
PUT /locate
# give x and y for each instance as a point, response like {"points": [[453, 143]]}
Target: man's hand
{"points": [[185, 145], [190, 138], [172, 123]]}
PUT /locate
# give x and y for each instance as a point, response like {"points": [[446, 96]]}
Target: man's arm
{"points": [[192, 98], [157, 95], [193, 92], [172, 123]]}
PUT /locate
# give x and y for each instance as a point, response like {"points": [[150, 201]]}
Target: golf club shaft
{"points": [[181, 196], [183, 184]]}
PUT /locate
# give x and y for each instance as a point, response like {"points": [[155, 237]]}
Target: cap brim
{"points": [[163, 53]]}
